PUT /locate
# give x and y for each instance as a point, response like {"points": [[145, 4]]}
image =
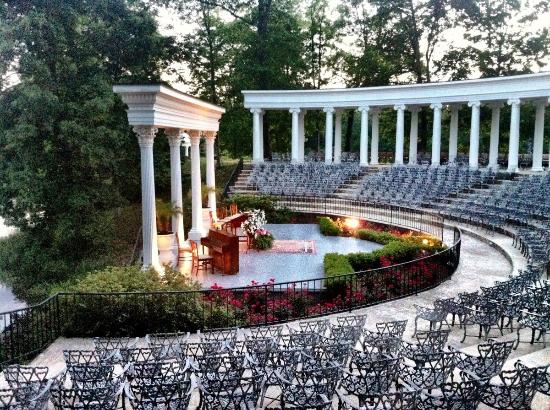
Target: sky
{"points": [[170, 24]]}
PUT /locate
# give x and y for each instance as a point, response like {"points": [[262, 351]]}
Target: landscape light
{"points": [[352, 223]]}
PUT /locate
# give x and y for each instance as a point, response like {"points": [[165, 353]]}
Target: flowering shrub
{"points": [[256, 220], [263, 239]]}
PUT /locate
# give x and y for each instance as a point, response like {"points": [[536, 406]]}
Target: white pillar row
{"points": [[146, 137], [257, 155], [196, 232], [413, 136], [513, 144], [364, 137], [174, 140], [436, 134], [538, 140], [399, 133], [211, 173], [473, 158], [302, 136], [453, 133], [328, 134], [495, 135], [375, 119], [338, 137], [295, 139]]}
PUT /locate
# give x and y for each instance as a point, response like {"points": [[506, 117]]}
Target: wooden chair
{"points": [[184, 251], [222, 213], [200, 261], [233, 209]]}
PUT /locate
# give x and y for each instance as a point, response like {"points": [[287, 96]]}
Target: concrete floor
{"points": [[482, 264]]}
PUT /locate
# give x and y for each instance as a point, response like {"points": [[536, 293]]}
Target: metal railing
{"points": [[26, 332], [233, 177]]}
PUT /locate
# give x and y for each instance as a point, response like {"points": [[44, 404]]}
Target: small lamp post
{"points": [[185, 142]]}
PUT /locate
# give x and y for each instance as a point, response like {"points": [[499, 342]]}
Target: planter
{"points": [[168, 248]]}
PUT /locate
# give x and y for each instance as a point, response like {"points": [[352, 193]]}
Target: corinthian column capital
{"points": [[145, 134]]}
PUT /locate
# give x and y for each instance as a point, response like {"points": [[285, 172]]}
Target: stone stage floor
{"points": [[285, 267]]}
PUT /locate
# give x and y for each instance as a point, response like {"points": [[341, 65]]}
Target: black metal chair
{"points": [[428, 371], [170, 343], [404, 399], [386, 338], [426, 343], [538, 319], [463, 395], [510, 390], [309, 389], [155, 395], [369, 378], [27, 380], [228, 334], [26, 397], [492, 356], [435, 316], [486, 315], [114, 349], [93, 398], [352, 320], [234, 394], [542, 377], [313, 326]]}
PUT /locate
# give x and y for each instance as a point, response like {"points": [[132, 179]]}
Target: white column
{"points": [[196, 231], [261, 137], [538, 140], [174, 140], [453, 133], [211, 173], [338, 137], [364, 138], [295, 139], [513, 144], [374, 138], [436, 134], [399, 133], [473, 159], [146, 138], [257, 144], [302, 136], [328, 134], [413, 137], [495, 134]]}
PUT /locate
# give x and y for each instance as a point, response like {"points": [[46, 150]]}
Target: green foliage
{"points": [[328, 227], [336, 264], [272, 213], [262, 242], [67, 154], [129, 279], [376, 236]]}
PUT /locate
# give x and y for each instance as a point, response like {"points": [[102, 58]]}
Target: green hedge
{"points": [[328, 227], [337, 264], [382, 238]]}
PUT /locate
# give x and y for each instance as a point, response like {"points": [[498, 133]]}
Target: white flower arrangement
{"points": [[256, 220]]}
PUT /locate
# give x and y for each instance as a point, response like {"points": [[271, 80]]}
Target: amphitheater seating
{"points": [[420, 185], [309, 179]]}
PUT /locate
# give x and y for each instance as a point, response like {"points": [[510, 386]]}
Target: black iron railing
{"points": [[26, 332], [233, 177]]}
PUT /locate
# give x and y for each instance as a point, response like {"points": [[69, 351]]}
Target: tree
{"points": [[67, 155], [501, 40]]}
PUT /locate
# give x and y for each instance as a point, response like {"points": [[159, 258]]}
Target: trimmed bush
{"points": [[328, 227], [272, 213], [382, 238], [337, 264]]}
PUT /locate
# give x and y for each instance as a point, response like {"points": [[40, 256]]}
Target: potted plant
{"points": [[166, 238], [258, 237], [263, 239]]}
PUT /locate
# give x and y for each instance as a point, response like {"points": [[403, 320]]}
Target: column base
{"points": [[363, 164], [537, 169], [435, 164], [513, 169], [374, 163], [328, 162], [257, 161], [412, 163]]}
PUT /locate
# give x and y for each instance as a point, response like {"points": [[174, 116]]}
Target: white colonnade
{"points": [[432, 97], [184, 119]]}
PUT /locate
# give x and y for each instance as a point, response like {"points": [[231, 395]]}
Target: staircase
{"points": [[241, 187], [351, 187]]}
